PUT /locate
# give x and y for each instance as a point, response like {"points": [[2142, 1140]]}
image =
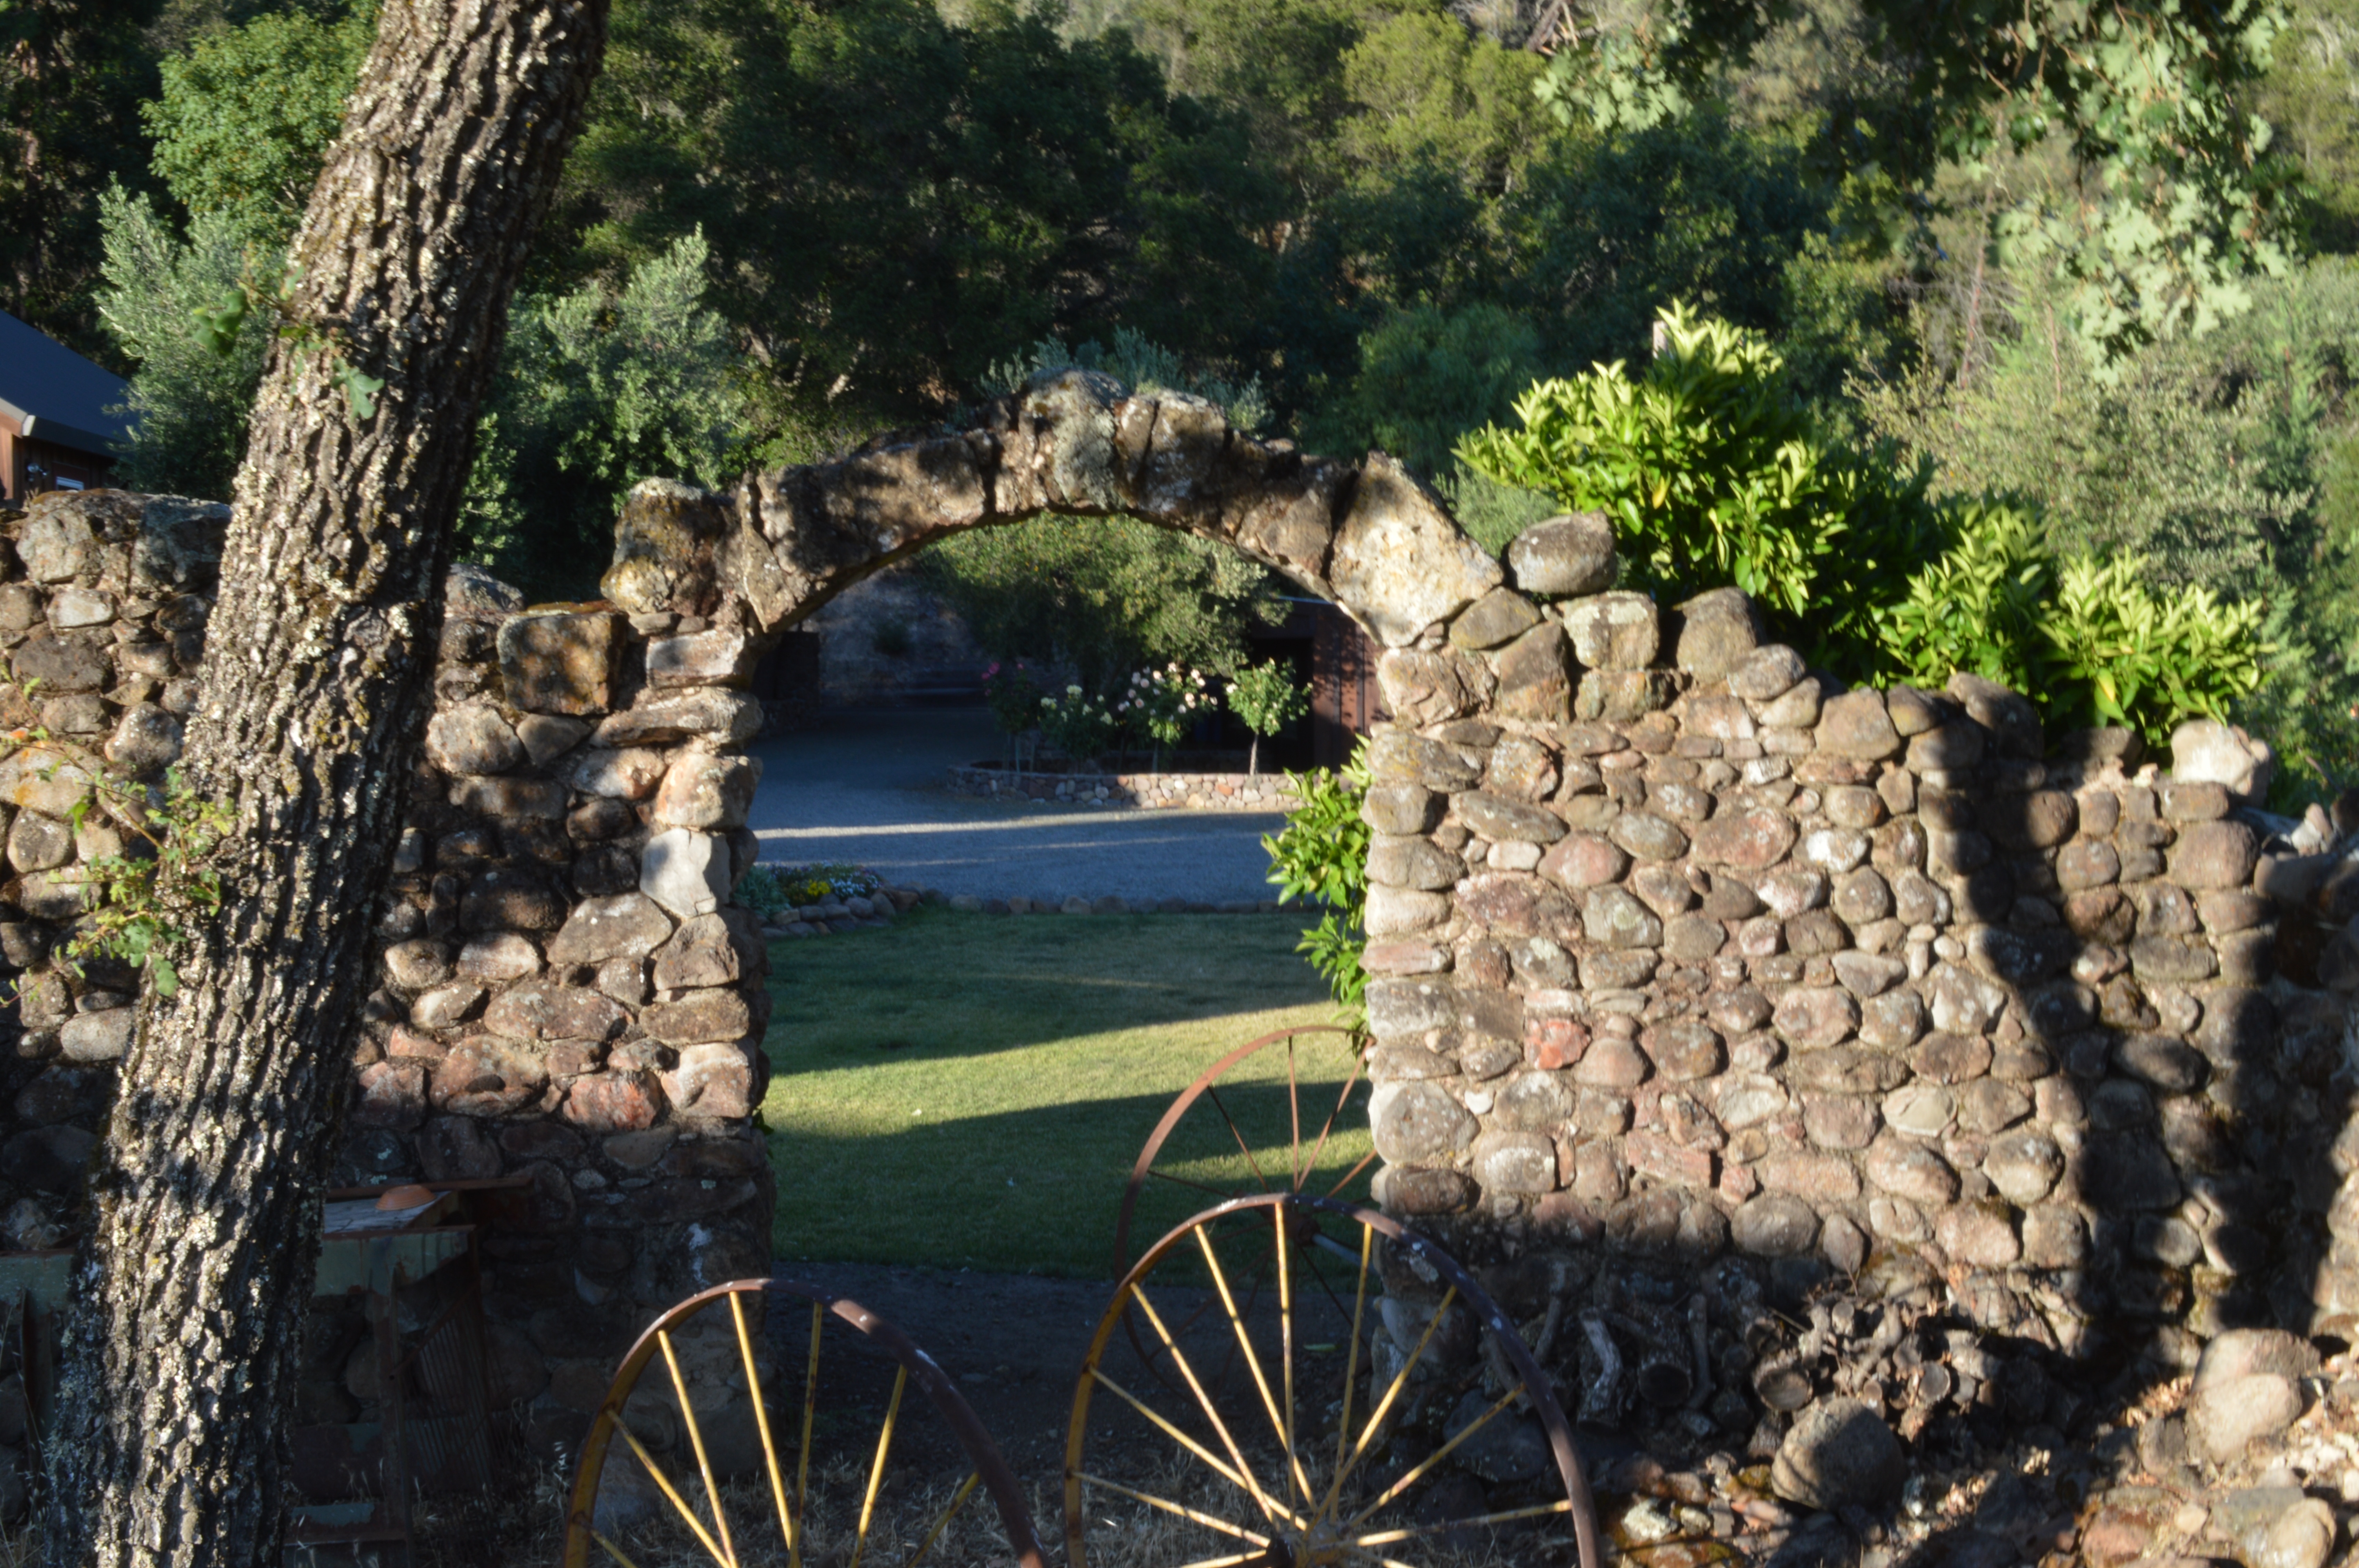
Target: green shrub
{"points": [[1321, 854], [2129, 655], [1078, 724], [1978, 607], [1711, 474], [2086, 639]]}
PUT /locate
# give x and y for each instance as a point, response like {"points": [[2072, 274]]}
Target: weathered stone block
{"points": [[509, 797], [702, 659], [472, 739], [1500, 616], [1718, 630], [723, 717], [703, 790], [1423, 687], [510, 899], [547, 1010], [145, 737], [688, 873], [1399, 562], [560, 661], [1564, 557], [623, 1100], [1856, 725], [98, 1036], [1535, 680], [1418, 1123], [719, 1013], [712, 1079], [1613, 630], [1749, 840], [1619, 696]]}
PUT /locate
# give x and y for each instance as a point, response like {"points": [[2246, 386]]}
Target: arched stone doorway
{"points": [[1367, 537]]}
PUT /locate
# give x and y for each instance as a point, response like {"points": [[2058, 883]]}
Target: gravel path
{"points": [[867, 786]]}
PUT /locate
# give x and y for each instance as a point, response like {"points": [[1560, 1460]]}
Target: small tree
{"points": [[1266, 697], [1165, 704]]}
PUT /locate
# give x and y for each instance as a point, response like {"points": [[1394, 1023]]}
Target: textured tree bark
{"points": [[191, 1294]]}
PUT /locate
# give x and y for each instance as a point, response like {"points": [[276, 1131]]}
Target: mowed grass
{"points": [[970, 1091]]}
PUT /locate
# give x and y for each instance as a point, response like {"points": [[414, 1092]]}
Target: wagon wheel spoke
{"points": [[663, 1483], [1193, 1516], [1365, 1160], [1283, 1245], [1352, 1366], [1325, 1285], [696, 1442], [1400, 1486], [1272, 1508], [1244, 1147], [613, 1551], [1351, 1082], [1294, 1108], [697, 1365], [957, 1501], [1382, 1407], [1186, 1182], [1278, 1423], [802, 1461], [1324, 1511], [877, 1470], [762, 1417], [1419, 1531]]}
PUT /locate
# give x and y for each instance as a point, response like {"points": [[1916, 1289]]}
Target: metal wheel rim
{"points": [[991, 1469], [1300, 1167], [1578, 1501]]}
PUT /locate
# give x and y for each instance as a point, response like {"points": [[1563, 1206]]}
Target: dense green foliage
{"points": [[72, 73], [191, 401], [1104, 599], [598, 390], [247, 112], [1712, 472], [1983, 242], [1321, 855]]}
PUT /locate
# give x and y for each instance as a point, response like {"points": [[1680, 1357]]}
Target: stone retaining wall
{"points": [[1197, 792], [1683, 948], [566, 993]]}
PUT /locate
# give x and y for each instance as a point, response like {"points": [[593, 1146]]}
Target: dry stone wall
{"points": [[567, 998], [1683, 949], [1149, 791]]}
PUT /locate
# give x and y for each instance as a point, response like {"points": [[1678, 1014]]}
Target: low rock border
{"points": [[1151, 791], [881, 908]]}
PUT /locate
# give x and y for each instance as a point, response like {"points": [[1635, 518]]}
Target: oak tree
{"points": [[191, 1290]]}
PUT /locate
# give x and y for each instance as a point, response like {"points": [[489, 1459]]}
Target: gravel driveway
{"points": [[867, 786]]}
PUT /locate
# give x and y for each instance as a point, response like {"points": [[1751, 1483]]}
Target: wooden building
{"points": [[59, 423]]}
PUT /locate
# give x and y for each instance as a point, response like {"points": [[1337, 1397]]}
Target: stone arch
{"points": [[1368, 536]]}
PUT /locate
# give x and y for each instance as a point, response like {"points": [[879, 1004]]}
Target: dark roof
{"points": [[67, 397]]}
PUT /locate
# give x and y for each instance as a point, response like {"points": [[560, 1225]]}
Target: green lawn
{"points": [[965, 1090]]}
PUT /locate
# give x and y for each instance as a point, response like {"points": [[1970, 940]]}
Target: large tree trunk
{"points": [[192, 1290]]}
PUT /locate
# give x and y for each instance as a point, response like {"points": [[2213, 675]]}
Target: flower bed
{"points": [[1202, 791]]}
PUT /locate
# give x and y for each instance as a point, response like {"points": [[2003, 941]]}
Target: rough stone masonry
{"points": [[1680, 949], [566, 995]]}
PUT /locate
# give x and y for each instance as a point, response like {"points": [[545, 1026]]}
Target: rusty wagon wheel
{"points": [[1251, 1142], [706, 1345], [1396, 1433]]}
